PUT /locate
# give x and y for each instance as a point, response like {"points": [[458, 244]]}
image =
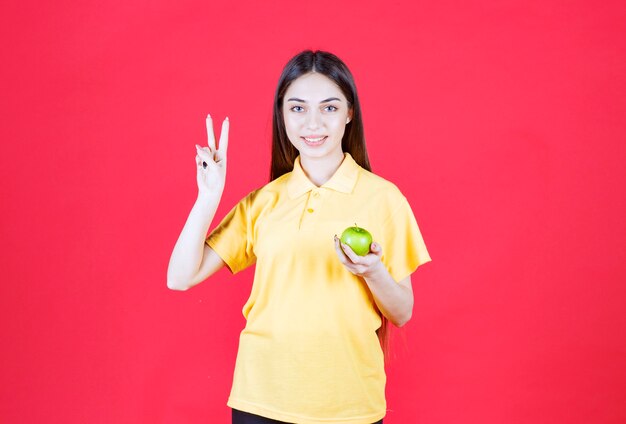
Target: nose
{"points": [[314, 119]]}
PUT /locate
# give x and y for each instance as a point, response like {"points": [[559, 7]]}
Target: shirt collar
{"points": [[343, 180]]}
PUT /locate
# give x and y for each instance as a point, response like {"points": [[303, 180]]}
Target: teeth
{"points": [[313, 140]]}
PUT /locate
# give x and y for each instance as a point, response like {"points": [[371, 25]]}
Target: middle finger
{"points": [[224, 137]]}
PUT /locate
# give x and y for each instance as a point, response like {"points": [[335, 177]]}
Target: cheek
{"points": [[337, 126], [292, 123], [292, 127]]}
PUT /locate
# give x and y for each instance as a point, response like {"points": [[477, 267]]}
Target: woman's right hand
{"points": [[211, 178]]}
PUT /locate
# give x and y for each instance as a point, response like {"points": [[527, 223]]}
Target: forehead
{"points": [[314, 87]]}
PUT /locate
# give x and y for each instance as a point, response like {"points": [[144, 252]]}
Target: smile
{"points": [[314, 140]]}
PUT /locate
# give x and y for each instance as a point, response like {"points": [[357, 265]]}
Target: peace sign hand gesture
{"points": [[211, 162]]}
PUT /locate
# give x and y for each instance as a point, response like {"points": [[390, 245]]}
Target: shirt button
{"points": [[316, 194], [309, 210]]}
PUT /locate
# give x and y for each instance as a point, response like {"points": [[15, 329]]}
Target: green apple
{"points": [[359, 239]]}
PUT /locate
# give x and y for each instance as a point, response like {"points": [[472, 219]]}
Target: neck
{"points": [[320, 170]]}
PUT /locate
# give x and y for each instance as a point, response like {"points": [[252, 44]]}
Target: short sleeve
{"points": [[402, 243], [232, 239]]}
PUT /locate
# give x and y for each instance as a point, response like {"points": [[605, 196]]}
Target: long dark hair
{"points": [[284, 153]]}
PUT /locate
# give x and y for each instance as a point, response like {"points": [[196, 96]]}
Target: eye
{"points": [[330, 108], [296, 108]]}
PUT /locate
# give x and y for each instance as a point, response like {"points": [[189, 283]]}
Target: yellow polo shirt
{"points": [[309, 351]]}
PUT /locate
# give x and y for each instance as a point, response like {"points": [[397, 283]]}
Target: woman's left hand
{"points": [[363, 266]]}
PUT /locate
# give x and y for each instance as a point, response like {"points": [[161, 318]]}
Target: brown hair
{"points": [[353, 141]]}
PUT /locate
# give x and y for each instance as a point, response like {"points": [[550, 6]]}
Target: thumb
{"points": [[375, 247]]}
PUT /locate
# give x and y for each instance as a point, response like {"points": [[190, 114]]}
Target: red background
{"points": [[502, 122]]}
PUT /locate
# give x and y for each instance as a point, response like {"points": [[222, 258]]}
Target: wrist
{"points": [[206, 205], [209, 197], [376, 272]]}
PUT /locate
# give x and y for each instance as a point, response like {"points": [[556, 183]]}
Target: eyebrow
{"points": [[330, 99]]}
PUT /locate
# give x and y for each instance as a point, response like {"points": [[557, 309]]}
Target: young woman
{"points": [[312, 350]]}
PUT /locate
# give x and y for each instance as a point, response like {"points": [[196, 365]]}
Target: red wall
{"points": [[502, 122]]}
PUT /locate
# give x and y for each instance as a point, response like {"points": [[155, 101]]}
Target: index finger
{"points": [[340, 253], [344, 252], [350, 253], [224, 137], [209, 131]]}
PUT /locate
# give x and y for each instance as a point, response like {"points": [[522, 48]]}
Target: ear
{"points": [[350, 113]]}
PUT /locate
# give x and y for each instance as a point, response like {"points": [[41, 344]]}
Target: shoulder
{"points": [[383, 197], [266, 195], [379, 188], [274, 188]]}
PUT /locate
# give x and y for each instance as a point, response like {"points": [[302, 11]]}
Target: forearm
{"points": [[188, 251], [391, 298]]}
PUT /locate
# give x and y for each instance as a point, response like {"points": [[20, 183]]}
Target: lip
{"points": [[319, 139]]}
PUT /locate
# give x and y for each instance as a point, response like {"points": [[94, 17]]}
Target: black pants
{"points": [[240, 417]]}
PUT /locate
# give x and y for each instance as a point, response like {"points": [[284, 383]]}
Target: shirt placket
{"points": [[311, 208]]}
